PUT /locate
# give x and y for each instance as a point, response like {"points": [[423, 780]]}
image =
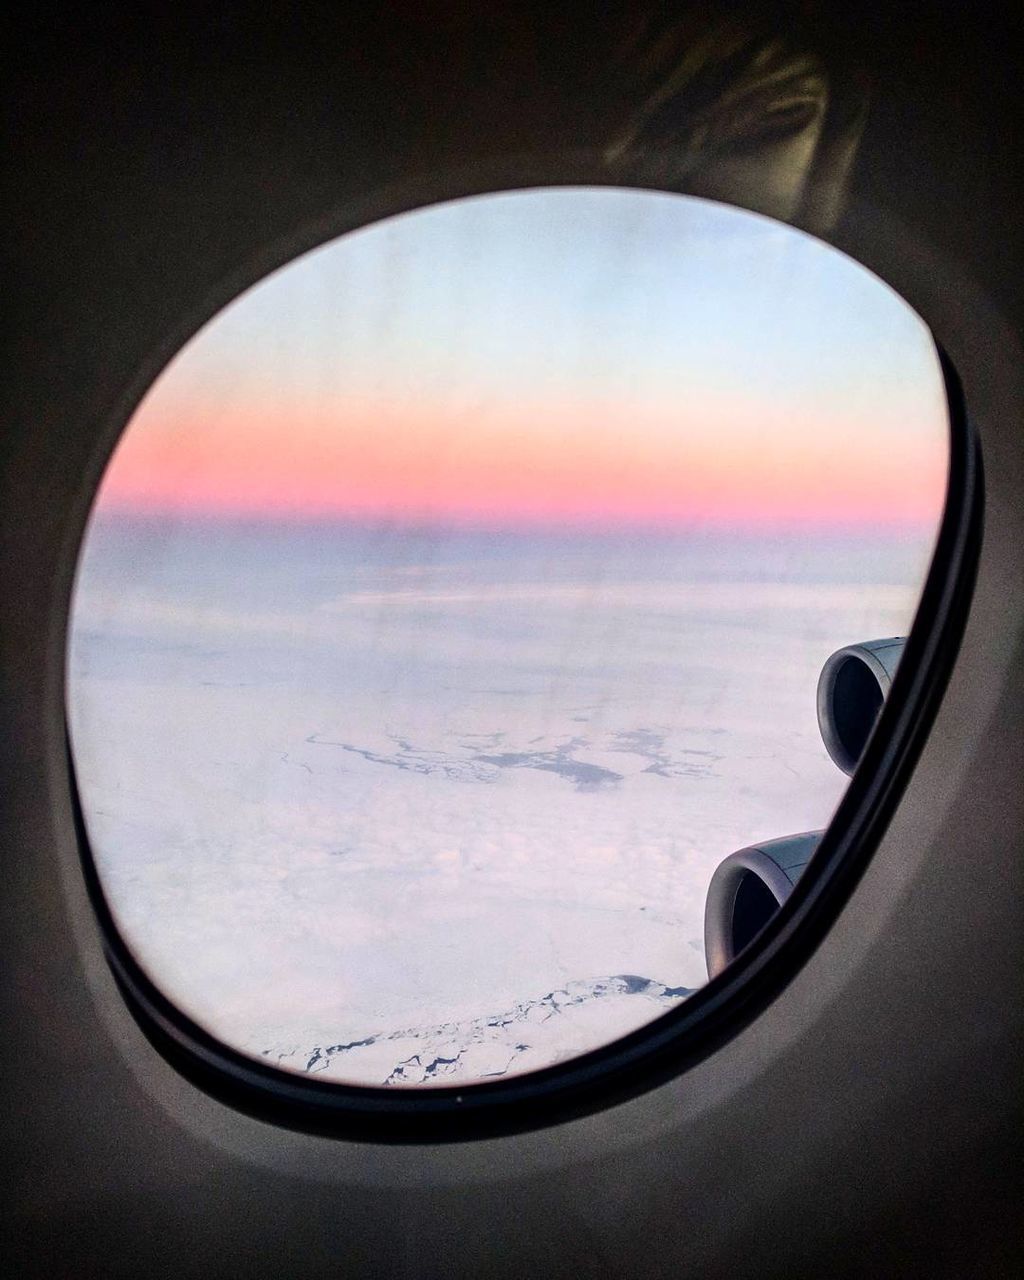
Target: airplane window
{"points": [[471, 593]]}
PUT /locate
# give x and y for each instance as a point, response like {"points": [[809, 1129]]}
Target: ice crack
{"points": [[478, 1048]]}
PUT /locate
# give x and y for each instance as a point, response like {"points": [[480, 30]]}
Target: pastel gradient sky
{"points": [[565, 356]]}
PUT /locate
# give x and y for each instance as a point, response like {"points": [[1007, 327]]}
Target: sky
{"points": [[580, 356]]}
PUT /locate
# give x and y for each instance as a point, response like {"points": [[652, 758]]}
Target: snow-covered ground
{"points": [[408, 806]]}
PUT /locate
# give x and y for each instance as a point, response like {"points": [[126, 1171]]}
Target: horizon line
{"points": [[520, 524]]}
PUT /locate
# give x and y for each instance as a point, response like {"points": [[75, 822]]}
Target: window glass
{"points": [[455, 602]]}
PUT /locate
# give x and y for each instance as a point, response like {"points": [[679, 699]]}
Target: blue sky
{"points": [[653, 290]]}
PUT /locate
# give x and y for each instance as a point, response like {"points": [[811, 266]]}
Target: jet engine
{"points": [[751, 884], [852, 686]]}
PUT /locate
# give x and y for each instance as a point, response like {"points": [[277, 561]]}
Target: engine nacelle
{"points": [[852, 686], [746, 891], [750, 885]]}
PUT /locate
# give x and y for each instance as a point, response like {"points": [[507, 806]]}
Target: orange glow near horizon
{"points": [[558, 463]]}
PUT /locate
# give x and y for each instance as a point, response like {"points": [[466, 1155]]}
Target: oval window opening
{"points": [[465, 593]]}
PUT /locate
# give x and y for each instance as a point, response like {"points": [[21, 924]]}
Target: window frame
{"points": [[680, 1038]]}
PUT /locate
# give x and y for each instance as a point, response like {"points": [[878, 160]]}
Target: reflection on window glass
{"points": [[455, 603]]}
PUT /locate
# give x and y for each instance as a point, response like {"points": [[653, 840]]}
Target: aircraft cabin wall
{"points": [[868, 1119]]}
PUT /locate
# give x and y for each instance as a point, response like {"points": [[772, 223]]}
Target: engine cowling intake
{"points": [[853, 684], [746, 891]]}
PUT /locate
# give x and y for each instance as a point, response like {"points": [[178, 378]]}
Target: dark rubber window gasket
{"points": [[712, 1015]]}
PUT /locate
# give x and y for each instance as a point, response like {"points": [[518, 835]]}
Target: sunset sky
{"points": [[584, 357]]}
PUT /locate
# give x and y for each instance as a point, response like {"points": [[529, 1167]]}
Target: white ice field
{"points": [[409, 806]]}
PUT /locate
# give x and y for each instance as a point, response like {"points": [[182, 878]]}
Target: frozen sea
{"points": [[404, 806]]}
